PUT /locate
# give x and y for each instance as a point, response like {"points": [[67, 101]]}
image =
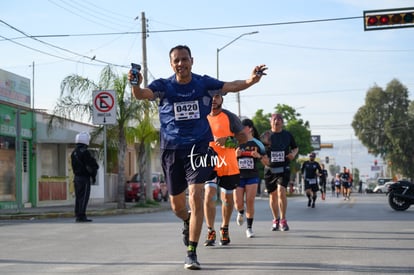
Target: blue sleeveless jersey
{"points": [[183, 110]]}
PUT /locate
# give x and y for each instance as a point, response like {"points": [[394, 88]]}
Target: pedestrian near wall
{"points": [[85, 168]]}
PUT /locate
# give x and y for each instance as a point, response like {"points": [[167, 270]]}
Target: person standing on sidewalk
{"points": [[228, 133], [311, 170], [184, 102], [248, 154], [85, 168], [281, 150]]}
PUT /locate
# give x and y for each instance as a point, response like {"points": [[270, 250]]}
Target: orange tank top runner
{"points": [[227, 159]]}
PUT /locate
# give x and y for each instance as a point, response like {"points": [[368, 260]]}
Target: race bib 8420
{"points": [[186, 110]]}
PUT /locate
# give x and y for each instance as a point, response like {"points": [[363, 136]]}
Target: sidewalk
{"points": [[67, 211]]}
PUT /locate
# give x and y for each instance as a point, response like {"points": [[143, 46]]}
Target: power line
{"points": [[89, 14], [36, 37], [37, 50], [208, 28], [54, 46], [105, 12], [233, 27]]}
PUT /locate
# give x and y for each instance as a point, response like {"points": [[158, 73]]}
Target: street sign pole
{"points": [[104, 113]]}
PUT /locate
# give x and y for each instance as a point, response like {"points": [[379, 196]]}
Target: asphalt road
{"points": [[360, 236]]}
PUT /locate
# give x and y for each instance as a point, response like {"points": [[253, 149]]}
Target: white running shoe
{"points": [[249, 233], [240, 219]]}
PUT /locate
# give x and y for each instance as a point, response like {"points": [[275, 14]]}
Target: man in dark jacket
{"points": [[84, 168]]}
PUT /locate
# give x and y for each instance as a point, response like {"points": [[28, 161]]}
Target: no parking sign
{"points": [[104, 107]]}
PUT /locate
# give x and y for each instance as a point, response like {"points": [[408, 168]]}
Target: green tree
{"points": [[261, 121], [333, 169], [355, 176], [145, 137], [75, 102], [297, 126], [385, 125], [293, 123]]}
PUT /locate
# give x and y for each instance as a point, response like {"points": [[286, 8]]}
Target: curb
{"points": [[69, 214]]}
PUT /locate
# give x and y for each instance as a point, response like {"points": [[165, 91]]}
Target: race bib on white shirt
{"points": [[277, 156], [246, 163], [186, 110]]}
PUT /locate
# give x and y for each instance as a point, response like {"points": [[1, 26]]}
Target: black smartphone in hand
{"points": [[135, 71]]}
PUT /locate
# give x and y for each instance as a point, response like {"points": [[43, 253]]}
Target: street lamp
{"points": [[222, 48]]}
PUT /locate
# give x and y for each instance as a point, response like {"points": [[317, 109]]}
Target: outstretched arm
{"points": [[239, 85]]}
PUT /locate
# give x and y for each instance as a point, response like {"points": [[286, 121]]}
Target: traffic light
{"points": [[388, 19]]}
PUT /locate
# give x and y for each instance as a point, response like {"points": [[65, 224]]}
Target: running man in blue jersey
{"points": [[184, 102]]}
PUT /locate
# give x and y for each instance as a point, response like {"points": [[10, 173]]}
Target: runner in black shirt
{"points": [[310, 171], [322, 181]]}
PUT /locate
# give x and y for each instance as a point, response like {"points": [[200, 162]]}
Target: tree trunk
{"points": [[145, 169], [148, 174], [121, 168]]}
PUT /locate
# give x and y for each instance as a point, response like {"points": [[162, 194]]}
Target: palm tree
{"points": [[75, 102]]}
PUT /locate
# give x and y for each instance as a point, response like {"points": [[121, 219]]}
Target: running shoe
{"points": [[249, 233], [224, 236], [275, 225], [186, 231], [313, 204], [191, 262], [211, 238], [240, 219], [283, 225], [309, 202]]}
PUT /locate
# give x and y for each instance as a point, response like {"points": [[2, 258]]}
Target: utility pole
{"points": [[144, 48], [147, 174], [34, 131]]}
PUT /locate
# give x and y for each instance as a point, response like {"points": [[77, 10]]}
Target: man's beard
{"points": [[217, 107]]}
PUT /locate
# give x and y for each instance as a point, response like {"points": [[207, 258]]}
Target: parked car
{"points": [[382, 188], [382, 181], [160, 191], [368, 188], [134, 190]]}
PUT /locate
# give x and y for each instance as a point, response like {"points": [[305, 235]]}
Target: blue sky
{"points": [[322, 69]]}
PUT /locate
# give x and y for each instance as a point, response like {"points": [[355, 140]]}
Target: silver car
{"points": [[382, 188]]}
